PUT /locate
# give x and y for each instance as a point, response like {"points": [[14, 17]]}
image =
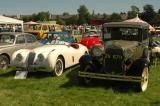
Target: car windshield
{"points": [[121, 33], [33, 27], [90, 34], [57, 38], [7, 39]]}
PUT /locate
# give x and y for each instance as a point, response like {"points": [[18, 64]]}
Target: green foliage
{"points": [[59, 20], [42, 89], [134, 11], [84, 15], [148, 13], [72, 20], [156, 20], [65, 14], [158, 11], [105, 16], [114, 17], [41, 16]]}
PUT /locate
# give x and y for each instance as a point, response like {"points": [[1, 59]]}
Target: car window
{"points": [[30, 38], [45, 27], [20, 39], [7, 38]]}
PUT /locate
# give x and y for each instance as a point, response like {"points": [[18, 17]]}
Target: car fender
{"points": [[138, 65], [85, 60], [52, 57], [24, 53]]}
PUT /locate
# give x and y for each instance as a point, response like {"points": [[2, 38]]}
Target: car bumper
{"points": [[33, 68], [109, 76]]}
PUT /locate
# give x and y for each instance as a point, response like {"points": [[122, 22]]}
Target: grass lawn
{"points": [[41, 89]]}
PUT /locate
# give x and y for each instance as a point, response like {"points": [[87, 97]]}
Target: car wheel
{"points": [[4, 61], [59, 67], [85, 80], [142, 86]]}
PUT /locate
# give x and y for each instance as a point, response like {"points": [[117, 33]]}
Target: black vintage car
{"points": [[125, 56]]}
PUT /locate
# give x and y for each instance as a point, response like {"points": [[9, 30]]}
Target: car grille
{"points": [[114, 61], [31, 58]]}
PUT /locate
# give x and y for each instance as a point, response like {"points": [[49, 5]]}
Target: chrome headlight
{"points": [[40, 57], [19, 57]]}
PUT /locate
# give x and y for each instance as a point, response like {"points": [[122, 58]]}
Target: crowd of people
{"points": [[82, 28], [10, 28]]}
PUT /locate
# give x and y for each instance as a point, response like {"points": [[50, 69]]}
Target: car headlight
{"points": [[40, 57], [19, 57]]}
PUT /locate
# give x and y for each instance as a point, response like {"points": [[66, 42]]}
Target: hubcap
{"points": [[144, 82], [59, 67], [3, 64]]}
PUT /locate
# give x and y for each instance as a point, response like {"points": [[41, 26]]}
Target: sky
{"points": [[28, 7]]}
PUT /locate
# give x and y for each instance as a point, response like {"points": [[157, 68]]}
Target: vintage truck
{"points": [[125, 56]]}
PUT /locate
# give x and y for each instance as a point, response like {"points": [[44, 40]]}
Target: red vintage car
{"points": [[91, 38]]}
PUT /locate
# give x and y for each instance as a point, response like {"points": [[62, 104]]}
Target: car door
{"points": [[20, 42], [31, 41], [69, 55], [75, 53], [45, 28]]}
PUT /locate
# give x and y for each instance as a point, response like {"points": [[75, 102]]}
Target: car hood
{"points": [[32, 31], [122, 44], [126, 48], [48, 48]]}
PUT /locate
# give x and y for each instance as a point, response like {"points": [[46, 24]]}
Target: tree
{"points": [[134, 11], [105, 16], [65, 14], [148, 13], [156, 20], [84, 15], [114, 17], [72, 20], [159, 11], [59, 20], [43, 16]]}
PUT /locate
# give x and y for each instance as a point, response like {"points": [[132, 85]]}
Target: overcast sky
{"points": [[17, 7]]}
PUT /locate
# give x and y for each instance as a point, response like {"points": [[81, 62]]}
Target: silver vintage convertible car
{"points": [[11, 42]]}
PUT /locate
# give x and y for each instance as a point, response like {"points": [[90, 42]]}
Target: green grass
{"points": [[41, 89]]}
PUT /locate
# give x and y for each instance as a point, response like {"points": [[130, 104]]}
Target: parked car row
{"points": [[125, 55], [55, 53], [13, 41]]}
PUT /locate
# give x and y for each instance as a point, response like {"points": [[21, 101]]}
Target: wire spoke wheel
{"points": [[144, 81], [58, 70], [4, 62]]}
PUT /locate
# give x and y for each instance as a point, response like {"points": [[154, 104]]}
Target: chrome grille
{"points": [[114, 60], [31, 58]]}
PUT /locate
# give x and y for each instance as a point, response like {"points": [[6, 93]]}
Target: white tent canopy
{"points": [[8, 20], [31, 23], [137, 19]]}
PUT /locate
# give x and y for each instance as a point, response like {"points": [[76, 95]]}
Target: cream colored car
{"points": [[53, 57]]}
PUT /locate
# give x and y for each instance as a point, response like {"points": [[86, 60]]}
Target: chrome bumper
{"points": [[109, 77]]}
